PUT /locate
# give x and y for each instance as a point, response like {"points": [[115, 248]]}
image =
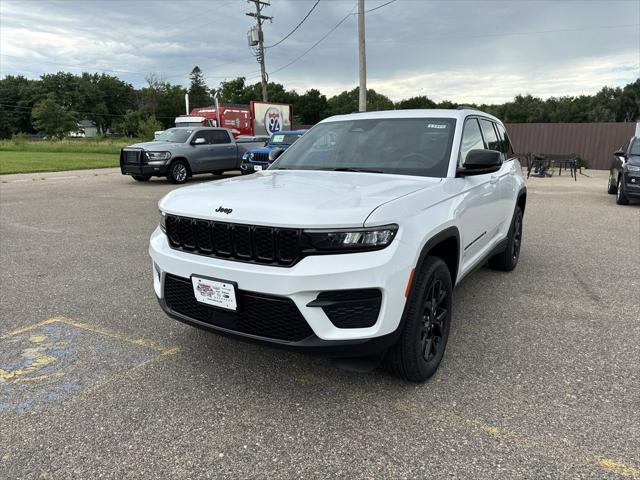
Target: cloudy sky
{"points": [[466, 51]]}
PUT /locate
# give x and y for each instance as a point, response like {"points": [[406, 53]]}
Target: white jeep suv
{"points": [[351, 242]]}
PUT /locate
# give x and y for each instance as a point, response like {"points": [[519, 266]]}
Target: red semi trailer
{"points": [[257, 118]]}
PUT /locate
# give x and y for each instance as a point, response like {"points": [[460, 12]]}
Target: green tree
{"points": [[311, 107], [161, 99], [416, 102], [347, 102], [198, 91], [52, 119], [130, 122], [147, 128], [232, 91], [629, 107], [17, 98]]}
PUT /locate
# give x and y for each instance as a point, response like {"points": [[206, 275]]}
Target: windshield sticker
{"points": [[438, 126]]}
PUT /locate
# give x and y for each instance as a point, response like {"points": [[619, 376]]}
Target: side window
{"points": [[490, 136], [471, 139], [220, 136], [503, 138], [203, 134]]}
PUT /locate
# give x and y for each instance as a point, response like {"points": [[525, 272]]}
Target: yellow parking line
{"points": [[30, 327], [111, 334], [87, 327], [39, 378], [619, 468], [40, 360]]}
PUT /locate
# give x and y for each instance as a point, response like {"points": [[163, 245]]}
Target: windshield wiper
{"points": [[351, 169]]}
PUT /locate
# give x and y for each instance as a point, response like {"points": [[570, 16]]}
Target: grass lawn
{"points": [[28, 162], [24, 156]]}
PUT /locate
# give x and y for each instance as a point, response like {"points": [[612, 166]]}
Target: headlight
{"points": [[158, 155], [163, 221], [633, 168], [373, 238], [251, 155]]}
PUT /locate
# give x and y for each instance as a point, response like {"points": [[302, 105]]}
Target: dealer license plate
{"points": [[216, 293], [257, 168]]}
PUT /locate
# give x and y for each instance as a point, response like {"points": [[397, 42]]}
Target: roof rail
{"points": [[467, 107]]}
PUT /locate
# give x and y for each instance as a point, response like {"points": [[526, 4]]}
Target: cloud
{"points": [[465, 51]]}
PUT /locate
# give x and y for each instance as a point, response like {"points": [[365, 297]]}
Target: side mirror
{"points": [[481, 161], [274, 154], [198, 141], [619, 153]]}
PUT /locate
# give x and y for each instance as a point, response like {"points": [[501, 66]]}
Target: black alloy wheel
{"points": [[424, 327], [434, 318]]}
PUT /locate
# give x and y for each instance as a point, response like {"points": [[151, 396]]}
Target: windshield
{"points": [[405, 146], [176, 135], [283, 138], [635, 147]]}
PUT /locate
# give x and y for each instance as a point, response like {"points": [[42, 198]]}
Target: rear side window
{"points": [[471, 139], [505, 144], [220, 136], [490, 136]]}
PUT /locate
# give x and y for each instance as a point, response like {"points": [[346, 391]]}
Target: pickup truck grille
{"points": [[260, 158], [245, 243], [131, 157]]}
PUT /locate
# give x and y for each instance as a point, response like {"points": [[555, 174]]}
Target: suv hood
{"points": [[634, 160], [307, 199]]}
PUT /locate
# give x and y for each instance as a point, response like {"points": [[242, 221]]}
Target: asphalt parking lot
{"points": [[541, 378]]}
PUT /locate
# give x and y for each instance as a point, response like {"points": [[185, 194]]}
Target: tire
{"points": [[621, 197], [141, 178], [612, 189], [508, 259], [419, 350], [178, 172]]}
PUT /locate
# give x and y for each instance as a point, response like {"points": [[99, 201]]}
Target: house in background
{"points": [[86, 129]]}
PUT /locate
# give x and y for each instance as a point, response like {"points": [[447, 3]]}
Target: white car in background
{"points": [[351, 242]]}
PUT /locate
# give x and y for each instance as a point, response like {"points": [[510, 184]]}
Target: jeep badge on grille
{"points": [[224, 210]]}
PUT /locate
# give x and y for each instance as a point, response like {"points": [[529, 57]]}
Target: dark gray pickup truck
{"points": [[181, 152]]}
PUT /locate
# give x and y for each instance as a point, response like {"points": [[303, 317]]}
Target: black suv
{"points": [[624, 174]]}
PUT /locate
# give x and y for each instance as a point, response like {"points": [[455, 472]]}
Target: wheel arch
{"points": [[445, 245], [522, 199], [185, 161]]}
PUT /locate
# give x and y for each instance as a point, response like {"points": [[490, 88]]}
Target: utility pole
{"points": [[362, 59], [260, 41]]}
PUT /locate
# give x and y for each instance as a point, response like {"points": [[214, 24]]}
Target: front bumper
{"points": [[386, 270], [152, 170], [632, 185], [249, 166]]}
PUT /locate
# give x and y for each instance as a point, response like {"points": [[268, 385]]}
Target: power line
{"points": [[297, 26], [317, 43], [379, 6]]}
